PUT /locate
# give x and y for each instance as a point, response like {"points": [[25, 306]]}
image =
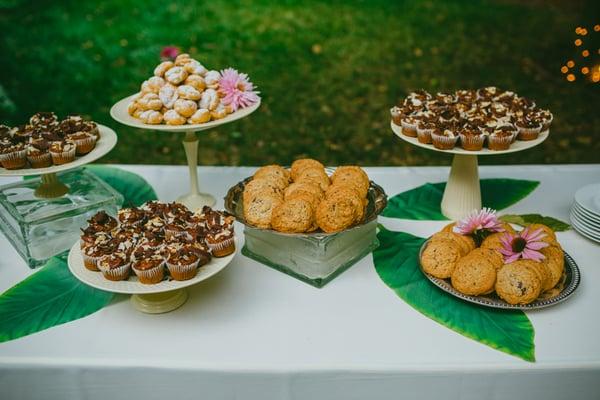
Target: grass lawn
{"points": [[328, 71]]}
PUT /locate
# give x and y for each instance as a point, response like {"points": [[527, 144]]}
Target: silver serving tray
{"points": [[234, 205], [569, 281]]}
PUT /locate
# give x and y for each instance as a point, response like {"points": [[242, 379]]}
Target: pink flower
{"points": [[236, 89], [169, 53], [523, 245], [482, 220]]}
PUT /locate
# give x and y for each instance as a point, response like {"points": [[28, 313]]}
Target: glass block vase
{"points": [[42, 217], [315, 260]]}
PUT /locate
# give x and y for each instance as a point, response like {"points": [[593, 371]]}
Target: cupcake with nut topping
{"points": [[501, 137], [115, 266], [62, 152], [444, 138]]}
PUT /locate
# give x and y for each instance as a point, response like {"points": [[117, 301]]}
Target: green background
{"points": [[328, 71]]}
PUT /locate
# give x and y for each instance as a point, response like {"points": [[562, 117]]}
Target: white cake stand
{"points": [[463, 192], [194, 199], [159, 298], [51, 187]]}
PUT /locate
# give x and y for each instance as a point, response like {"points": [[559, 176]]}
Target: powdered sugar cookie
{"points": [[185, 108], [168, 95], [172, 117], [176, 75], [162, 68], [201, 116]]}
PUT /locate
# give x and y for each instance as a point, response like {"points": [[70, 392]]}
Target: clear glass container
{"points": [[42, 217]]}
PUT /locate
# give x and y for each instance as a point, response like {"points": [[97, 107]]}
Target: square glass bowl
{"points": [[40, 227], [315, 258]]}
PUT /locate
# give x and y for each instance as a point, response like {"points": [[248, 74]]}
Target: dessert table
{"points": [[252, 332]]}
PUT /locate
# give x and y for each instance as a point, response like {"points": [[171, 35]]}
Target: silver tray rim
{"points": [[573, 279]]}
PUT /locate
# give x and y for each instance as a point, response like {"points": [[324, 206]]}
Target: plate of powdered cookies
{"points": [[485, 261], [306, 199]]}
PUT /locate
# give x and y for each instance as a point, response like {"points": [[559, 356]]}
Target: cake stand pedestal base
{"points": [[50, 187], [194, 200], [463, 193], [159, 303]]}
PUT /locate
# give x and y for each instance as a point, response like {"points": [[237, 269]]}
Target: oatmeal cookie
{"points": [[474, 275], [352, 195], [303, 187], [554, 264], [493, 241], [258, 209], [354, 175], [516, 284], [440, 257], [465, 243], [293, 215], [316, 176], [261, 186], [334, 215], [300, 165], [269, 171]]}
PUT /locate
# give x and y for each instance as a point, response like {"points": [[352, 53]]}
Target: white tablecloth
{"points": [[254, 333]]}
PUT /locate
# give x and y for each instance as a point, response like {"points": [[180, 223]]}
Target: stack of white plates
{"points": [[585, 212]]}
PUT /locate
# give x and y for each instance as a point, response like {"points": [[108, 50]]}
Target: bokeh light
{"points": [[585, 53], [585, 70], [578, 42], [564, 69], [570, 63], [571, 77]]}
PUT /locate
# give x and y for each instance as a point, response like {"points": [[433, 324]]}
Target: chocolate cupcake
{"points": [[38, 153], [409, 125], [102, 222], [220, 241], [546, 118], [13, 155], [529, 127], [501, 137], [183, 263], [148, 265], [84, 141], [396, 114], [424, 130], [131, 216], [115, 267], [471, 138], [444, 138], [92, 254], [63, 152], [44, 119]]}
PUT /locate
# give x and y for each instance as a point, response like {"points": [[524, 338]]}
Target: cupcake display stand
{"points": [[195, 199], [41, 216], [162, 297], [463, 193]]}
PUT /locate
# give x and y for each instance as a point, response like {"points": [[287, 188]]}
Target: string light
{"points": [[571, 77], [564, 69], [577, 30], [570, 63], [582, 57], [578, 42], [597, 28], [585, 53], [596, 77], [583, 32], [585, 70]]}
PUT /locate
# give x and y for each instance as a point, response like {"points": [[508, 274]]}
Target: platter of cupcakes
{"points": [[158, 247], [47, 144], [183, 95], [475, 122], [485, 261]]}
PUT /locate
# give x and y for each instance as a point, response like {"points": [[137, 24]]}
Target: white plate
{"points": [[120, 114], [582, 222], [587, 198], [585, 215], [133, 286], [108, 140], [582, 229], [516, 146]]}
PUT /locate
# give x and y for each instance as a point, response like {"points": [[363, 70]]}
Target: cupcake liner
{"points": [[15, 160], [222, 248], [424, 135], [85, 145], [151, 276], [528, 133], [443, 142], [409, 129], [499, 142], [546, 124], [63, 157], [183, 272], [396, 116], [116, 274], [91, 262], [43, 160], [472, 142]]}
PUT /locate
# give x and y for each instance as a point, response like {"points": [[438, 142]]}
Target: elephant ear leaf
{"points": [[528, 219], [50, 297], [397, 264]]}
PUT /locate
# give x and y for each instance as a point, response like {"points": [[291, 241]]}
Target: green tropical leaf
{"points": [[527, 219], [423, 202], [51, 296], [396, 262], [135, 189]]}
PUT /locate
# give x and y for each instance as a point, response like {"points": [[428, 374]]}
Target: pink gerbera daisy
{"points": [[482, 220], [523, 245], [236, 89]]}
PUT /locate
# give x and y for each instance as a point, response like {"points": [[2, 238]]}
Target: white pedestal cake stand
{"points": [[194, 199], [158, 298], [51, 187], [463, 193]]}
